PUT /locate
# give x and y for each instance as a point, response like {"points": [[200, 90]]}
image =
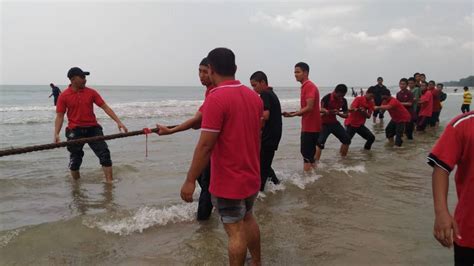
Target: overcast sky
{"points": [[161, 43]]}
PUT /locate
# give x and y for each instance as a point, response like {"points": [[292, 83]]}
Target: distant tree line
{"points": [[469, 81]]}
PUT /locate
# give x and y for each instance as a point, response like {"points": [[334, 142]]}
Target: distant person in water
{"points": [[272, 129], [204, 210], [310, 115], [467, 99], [332, 105], [377, 89], [361, 109], [77, 101], [406, 98], [361, 92], [354, 93], [425, 106], [55, 93], [436, 93], [455, 149]]}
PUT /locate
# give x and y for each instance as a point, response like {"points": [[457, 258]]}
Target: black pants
{"points": [[434, 119], [204, 205], [465, 108], [463, 256], [337, 130], [266, 170], [362, 131], [55, 100], [409, 128], [100, 148], [308, 145], [395, 130], [379, 113], [422, 123]]}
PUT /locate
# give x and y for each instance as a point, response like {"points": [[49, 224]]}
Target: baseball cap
{"points": [[75, 71]]}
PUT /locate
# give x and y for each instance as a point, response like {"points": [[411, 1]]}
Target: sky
{"points": [[162, 42]]}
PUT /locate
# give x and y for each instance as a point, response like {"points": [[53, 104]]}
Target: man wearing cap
{"points": [[77, 102]]}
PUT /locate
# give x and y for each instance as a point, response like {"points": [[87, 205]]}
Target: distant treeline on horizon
{"points": [[469, 82]]}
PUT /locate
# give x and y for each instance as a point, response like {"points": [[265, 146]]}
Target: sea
{"points": [[371, 208]]}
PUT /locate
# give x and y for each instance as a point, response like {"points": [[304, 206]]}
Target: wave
{"points": [[7, 236]]}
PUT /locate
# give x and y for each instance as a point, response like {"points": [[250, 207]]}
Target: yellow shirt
{"points": [[467, 98]]}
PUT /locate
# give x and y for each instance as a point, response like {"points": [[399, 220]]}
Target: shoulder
{"points": [[463, 120]]}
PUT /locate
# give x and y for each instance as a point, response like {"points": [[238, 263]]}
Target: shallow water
{"points": [[372, 208]]}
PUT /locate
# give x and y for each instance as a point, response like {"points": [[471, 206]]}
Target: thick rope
{"points": [[76, 141]]}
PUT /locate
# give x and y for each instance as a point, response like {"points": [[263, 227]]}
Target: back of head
{"points": [[341, 88], [259, 76], [222, 61], [386, 92], [370, 90], [303, 66]]}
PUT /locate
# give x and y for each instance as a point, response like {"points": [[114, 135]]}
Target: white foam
{"points": [[302, 181], [9, 236], [146, 217], [347, 169]]}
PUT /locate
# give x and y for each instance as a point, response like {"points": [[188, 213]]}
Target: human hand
{"points": [[122, 127], [163, 130], [187, 191], [57, 139], [286, 114], [444, 229]]}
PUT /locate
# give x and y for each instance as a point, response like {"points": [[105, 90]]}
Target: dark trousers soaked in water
{"points": [[362, 131], [266, 170], [395, 130], [204, 205], [100, 148], [465, 108], [463, 256], [409, 128]]}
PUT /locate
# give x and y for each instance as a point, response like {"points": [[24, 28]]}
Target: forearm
{"points": [[190, 123], [440, 190], [58, 123], [407, 104], [112, 114], [343, 115], [303, 111], [201, 157]]}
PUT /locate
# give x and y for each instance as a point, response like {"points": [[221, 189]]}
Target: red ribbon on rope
{"points": [[146, 131]]}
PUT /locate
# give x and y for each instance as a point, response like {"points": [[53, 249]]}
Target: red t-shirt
{"points": [[330, 102], [427, 107], [398, 112], [357, 118], [310, 121], [235, 111], [436, 100], [208, 90], [78, 106], [455, 147]]}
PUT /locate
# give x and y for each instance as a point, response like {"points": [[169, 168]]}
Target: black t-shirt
{"points": [[378, 94], [56, 91], [271, 133]]}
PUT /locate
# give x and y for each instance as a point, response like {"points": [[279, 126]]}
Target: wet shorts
{"points": [[233, 210], [337, 130], [308, 145]]}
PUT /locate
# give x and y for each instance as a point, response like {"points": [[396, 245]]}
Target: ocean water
{"points": [[371, 208]]}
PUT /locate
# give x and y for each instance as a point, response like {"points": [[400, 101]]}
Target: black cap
{"points": [[75, 71]]}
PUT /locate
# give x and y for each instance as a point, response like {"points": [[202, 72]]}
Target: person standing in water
{"points": [[467, 98], [310, 115], [204, 204], [230, 138], [272, 130], [454, 149], [405, 96], [55, 93], [426, 107], [361, 109], [77, 101], [378, 99]]}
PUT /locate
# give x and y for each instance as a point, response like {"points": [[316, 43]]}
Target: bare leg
{"points": [[307, 166], [252, 233], [75, 174], [237, 243], [108, 173], [344, 149], [318, 154]]}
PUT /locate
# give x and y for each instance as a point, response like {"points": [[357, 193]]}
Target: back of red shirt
{"points": [[436, 100], [235, 112], [357, 118], [310, 121], [79, 106], [426, 108], [398, 112], [455, 147], [331, 103]]}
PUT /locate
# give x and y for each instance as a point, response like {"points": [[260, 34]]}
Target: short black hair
{"points": [[204, 62], [51, 84], [422, 74], [404, 80], [414, 75], [370, 90], [222, 61], [385, 92], [341, 88], [424, 82], [412, 79], [380, 78], [259, 76], [303, 66], [441, 85], [432, 81], [466, 88]]}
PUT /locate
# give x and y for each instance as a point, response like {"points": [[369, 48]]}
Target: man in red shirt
{"points": [[332, 105], [361, 109], [77, 101], [204, 204], [434, 120], [230, 137], [405, 96], [400, 116], [455, 147], [310, 115], [426, 107]]}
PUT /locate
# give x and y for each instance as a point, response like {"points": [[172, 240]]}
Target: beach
{"points": [[371, 208]]}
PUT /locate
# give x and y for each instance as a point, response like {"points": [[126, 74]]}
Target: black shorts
{"points": [[434, 118], [463, 256], [465, 108], [100, 148], [337, 130], [309, 140], [378, 113]]}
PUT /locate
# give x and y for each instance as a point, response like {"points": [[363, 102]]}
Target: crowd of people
{"points": [[241, 131]]}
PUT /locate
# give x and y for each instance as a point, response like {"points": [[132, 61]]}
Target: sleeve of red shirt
{"points": [[98, 99], [213, 115], [309, 92], [355, 103], [61, 104], [447, 150]]}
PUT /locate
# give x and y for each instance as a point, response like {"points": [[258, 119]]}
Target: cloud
{"points": [[392, 36], [302, 19], [469, 20]]}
